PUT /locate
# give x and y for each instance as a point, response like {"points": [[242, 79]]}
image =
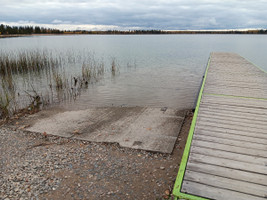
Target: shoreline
{"points": [[27, 35], [53, 167], [137, 33]]}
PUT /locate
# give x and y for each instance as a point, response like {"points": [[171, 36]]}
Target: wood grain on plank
{"points": [[227, 183], [227, 172], [229, 155], [224, 162], [211, 192]]}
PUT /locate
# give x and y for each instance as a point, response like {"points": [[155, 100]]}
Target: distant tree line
{"points": [[6, 30], [16, 30], [116, 32]]}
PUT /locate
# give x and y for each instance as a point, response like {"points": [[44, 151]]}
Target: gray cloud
{"points": [[132, 14]]}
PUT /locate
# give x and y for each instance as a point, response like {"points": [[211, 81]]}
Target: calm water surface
{"points": [[154, 70]]}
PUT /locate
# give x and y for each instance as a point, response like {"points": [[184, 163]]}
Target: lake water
{"points": [[154, 70]]}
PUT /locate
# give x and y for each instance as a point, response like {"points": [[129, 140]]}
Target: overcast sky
{"points": [[136, 14]]}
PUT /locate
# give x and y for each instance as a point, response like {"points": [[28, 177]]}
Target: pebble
{"points": [[167, 192], [31, 170]]}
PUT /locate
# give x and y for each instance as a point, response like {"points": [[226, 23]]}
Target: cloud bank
{"points": [[136, 14]]}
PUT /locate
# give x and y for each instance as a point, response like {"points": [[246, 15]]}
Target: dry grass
{"points": [[48, 69]]}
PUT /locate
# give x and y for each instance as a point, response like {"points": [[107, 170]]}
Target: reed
{"points": [[7, 95], [26, 61], [58, 79], [86, 72], [115, 67], [50, 71], [5, 100]]}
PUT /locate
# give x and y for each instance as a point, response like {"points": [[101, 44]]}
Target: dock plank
{"points": [[227, 162], [232, 131], [230, 148], [232, 142], [228, 172], [209, 191], [229, 155], [227, 183], [230, 121], [239, 137], [231, 127], [234, 116]]}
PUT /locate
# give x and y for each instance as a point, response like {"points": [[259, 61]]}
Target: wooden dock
{"points": [[226, 152]]}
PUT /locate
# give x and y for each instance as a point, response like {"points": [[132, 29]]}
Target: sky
{"points": [[135, 14]]}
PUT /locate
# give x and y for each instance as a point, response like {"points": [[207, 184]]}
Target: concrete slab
{"points": [[152, 129]]}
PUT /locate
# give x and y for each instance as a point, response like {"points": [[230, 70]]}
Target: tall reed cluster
{"points": [[41, 77], [27, 62]]}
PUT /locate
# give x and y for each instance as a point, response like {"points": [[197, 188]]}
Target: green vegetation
{"points": [[24, 62], [114, 66], [6, 29], [36, 78], [4, 103], [7, 93]]}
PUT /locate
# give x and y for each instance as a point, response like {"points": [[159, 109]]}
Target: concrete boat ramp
{"points": [[152, 129]]}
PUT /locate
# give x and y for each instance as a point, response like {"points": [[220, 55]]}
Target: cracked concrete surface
{"points": [[152, 129]]}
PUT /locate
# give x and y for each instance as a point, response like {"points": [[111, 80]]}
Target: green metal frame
{"points": [[179, 180]]}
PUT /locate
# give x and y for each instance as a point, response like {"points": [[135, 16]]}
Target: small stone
{"points": [[162, 168], [166, 197], [76, 132], [22, 127], [167, 192], [164, 109]]}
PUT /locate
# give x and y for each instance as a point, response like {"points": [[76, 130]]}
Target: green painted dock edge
{"points": [[179, 180]]}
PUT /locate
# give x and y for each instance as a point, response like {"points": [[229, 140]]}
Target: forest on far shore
{"points": [[27, 30]]}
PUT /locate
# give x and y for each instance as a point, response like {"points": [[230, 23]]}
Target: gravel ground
{"points": [[36, 166]]}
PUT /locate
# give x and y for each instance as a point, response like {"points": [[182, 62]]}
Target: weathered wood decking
{"points": [[226, 153]]}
